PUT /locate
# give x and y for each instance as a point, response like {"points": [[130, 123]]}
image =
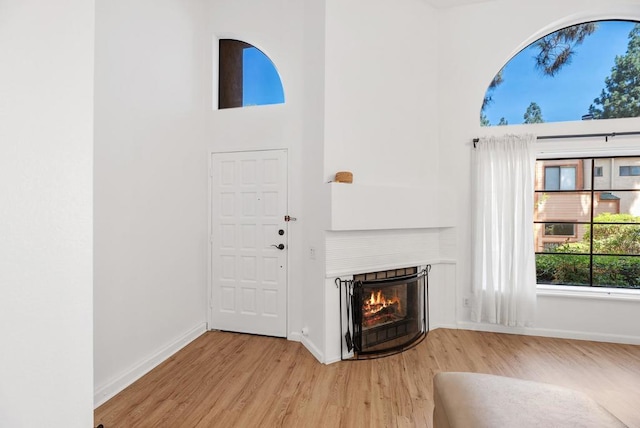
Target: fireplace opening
{"points": [[385, 311], [386, 305]]}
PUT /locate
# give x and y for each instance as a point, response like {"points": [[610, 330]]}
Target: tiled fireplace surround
{"points": [[368, 236]]}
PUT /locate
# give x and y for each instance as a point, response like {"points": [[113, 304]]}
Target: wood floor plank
{"points": [[233, 380]]}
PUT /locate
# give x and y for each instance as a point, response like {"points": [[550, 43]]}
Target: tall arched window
{"points": [[582, 72], [246, 76], [587, 208]]}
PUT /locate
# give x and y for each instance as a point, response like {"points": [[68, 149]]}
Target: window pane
{"points": [[616, 239], [561, 238], [260, 79], [246, 76], [562, 174], [618, 173], [602, 172], [567, 178], [575, 228], [617, 207], [612, 271], [554, 207], [552, 178], [560, 78], [564, 229], [630, 170], [562, 269]]}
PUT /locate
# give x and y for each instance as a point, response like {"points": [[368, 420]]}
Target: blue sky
{"points": [[566, 96], [260, 80]]}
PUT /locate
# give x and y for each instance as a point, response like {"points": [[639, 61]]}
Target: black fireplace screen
{"points": [[385, 311]]}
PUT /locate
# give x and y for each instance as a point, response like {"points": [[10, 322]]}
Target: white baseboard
{"points": [[104, 392], [295, 336], [545, 332], [434, 326], [311, 347], [333, 360]]}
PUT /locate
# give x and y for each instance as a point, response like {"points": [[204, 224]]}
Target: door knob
{"points": [[279, 246]]}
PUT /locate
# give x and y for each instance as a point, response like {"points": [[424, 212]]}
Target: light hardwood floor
{"points": [[233, 380]]}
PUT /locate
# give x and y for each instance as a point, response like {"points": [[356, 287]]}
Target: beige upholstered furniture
{"points": [[473, 400]]}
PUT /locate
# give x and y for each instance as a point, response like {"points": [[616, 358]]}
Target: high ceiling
{"points": [[443, 4]]}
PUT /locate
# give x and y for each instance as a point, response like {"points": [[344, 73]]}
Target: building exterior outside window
{"points": [[587, 221]]}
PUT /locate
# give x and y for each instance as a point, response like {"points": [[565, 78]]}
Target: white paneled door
{"points": [[249, 242]]}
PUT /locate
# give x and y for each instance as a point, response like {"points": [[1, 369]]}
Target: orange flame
{"points": [[378, 302]]}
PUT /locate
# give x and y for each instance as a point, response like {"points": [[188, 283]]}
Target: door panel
{"points": [[249, 272]]}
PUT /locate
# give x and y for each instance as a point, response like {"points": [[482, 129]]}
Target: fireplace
{"points": [[385, 311]]}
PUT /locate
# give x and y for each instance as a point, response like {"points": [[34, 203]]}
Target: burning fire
{"points": [[378, 302], [383, 306], [378, 308]]}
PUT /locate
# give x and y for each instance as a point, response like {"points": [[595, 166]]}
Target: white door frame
{"points": [[209, 301]]}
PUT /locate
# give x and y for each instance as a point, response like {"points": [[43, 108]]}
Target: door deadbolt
{"points": [[281, 232]]}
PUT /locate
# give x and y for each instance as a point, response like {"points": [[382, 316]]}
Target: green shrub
{"points": [[608, 271], [615, 238]]}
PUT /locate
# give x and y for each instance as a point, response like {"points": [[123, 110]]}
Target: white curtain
{"points": [[504, 277]]}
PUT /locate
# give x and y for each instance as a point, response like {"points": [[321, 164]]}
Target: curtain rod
{"points": [[559, 137]]}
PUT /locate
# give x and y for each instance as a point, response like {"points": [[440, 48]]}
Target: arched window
{"points": [[582, 72], [246, 76]]}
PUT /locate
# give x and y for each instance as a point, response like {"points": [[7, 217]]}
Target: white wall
{"points": [[150, 186], [476, 41], [316, 193], [381, 109], [46, 143]]}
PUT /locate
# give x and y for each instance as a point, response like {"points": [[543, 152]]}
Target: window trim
{"points": [[588, 292]]}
